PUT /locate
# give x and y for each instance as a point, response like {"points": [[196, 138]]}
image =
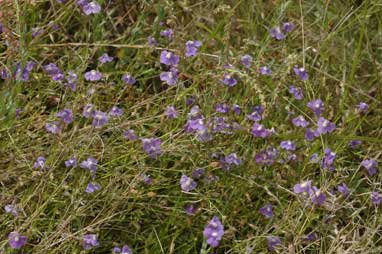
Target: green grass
{"points": [[339, 42]]}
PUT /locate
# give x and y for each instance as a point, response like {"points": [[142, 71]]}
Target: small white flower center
{"points": [[168, 55]]}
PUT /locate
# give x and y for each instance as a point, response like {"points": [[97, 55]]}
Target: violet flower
{"points": [[265, 71], [187, 183], [288, 145], [171, 112], [115, 111], [66, 115], [167, 33], [91, 8], [105, 58], [128, 79], [89, 241], [130, 135], [267, 211], [99, 119], [246, 60], [169, 58], [152, 146], [317, 106], [93, 75], [229, 80], [276, 33], [214, 232], [301, 72], [370, 165], [192, 48], [16, 241], [273, 242], [376, 198], [92, 187], [300, 121]]}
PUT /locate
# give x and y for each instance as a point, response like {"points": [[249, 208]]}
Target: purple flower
{"points": [[343, 188], [228, 160], [51, 69], [151, 41], [16, 241], [266, 157], [317, 106], [105, 58], [171, 112], [40, 163], [258, 130], [354, 143], [152, 146], [192, 48], [254, 116], [276, 33], [300, 122], [91, 8], [265, 71], [72, 80], [99, 119], [89, 241], [371, 166], [288, 27], [197, 173], [66, 115], [170, 77], [229, 80], [93, 75], [167, 33], [190, 209], [301, 72], [23, 75], [169, 58], [72, 162], [146, 179], [125, 250], [327, 161], [190, 101], [90, 164], [222, 108], [363, 107], [195, 125], [187, 184], [303, 187], [4, 74], [92, 187], [310, 134], [267, 211], [376, 198], [214, 232], [54, 127], [128, 79], [288, 145], [130, 135], [36, 31], [82, 3], [246, 60], [325, 126], [297, 92], [317, 196], [236, 109], [115, 111], [88, 110], [12, 209], [312, 236], [273, 241]]}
